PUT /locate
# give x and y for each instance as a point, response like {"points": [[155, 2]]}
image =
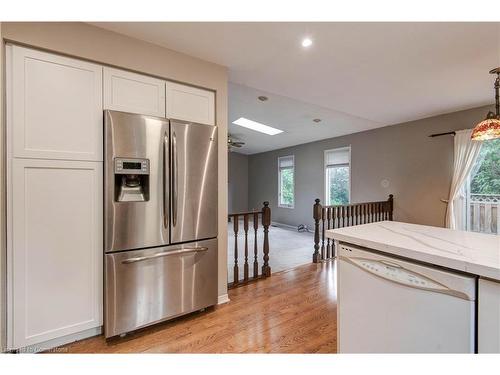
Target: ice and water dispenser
{"points": [[131, 180]]}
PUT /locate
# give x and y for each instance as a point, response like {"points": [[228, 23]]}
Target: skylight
{"points": [[257, 126]]}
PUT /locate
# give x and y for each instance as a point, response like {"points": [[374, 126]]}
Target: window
{"points": [[338, 176], [482, 191], [286, 176]]}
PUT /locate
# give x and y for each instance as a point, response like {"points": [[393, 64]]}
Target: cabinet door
{"points": [[489, 317], [56, 106], [190, 104], [55, 250], [131, 92]]}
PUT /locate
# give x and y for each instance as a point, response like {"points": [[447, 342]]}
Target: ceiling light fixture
{"points": [[307, 42], [262, 98], [257, 126], [317, 120], [489, 128]]}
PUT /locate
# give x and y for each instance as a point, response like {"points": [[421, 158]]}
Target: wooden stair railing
{"points": [[331, 217], [265, 215]]}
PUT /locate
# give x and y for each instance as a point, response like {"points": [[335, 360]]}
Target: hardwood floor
{"points": [[293, 311]]}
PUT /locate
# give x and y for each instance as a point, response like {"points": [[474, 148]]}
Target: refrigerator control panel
{"points": [[131, 166]]}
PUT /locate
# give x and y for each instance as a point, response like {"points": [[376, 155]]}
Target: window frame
{"points": [[280, 205], [325, 171]]}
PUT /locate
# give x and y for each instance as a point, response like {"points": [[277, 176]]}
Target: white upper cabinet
{"points": [[55, 250], [190, 103], [56, 106], [135, 93]]}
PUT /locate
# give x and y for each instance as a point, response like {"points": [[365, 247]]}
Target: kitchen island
{"points": [[401, 258]]}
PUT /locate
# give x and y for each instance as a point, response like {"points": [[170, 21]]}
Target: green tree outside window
{"points": [[338, 185], [487, 178], [287, 193]]}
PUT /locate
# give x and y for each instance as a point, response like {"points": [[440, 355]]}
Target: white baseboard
{"points": [[54, 343], [223, 299], [283, 225]]}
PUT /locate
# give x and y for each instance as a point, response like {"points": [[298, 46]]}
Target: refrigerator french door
{"points": [[160, 219]]}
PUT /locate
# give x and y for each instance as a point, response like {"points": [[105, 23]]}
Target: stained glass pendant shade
{"points": [[489, 128]]}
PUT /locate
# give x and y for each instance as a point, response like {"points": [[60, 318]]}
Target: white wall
{"points": [[95, 44]]}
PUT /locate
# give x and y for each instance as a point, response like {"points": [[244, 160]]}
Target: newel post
{"points": [[316, 216], [266, 222], [391, 206]]}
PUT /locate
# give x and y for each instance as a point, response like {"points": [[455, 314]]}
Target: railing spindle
{"points": [[333, 227], [323, 220], [245, 228], [391, 206], [236, 271], [255, 229], [339, 224], [328, 243]]}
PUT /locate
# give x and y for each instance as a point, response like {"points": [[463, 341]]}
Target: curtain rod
{"points": [[440, 134]]}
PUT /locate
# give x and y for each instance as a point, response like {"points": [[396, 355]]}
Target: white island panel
{"points": [[489, 317]]}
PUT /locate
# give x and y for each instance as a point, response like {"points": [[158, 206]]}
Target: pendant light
{"points": [[489, 128]]}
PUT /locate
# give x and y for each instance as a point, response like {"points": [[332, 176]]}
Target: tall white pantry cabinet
{"points": [[55, 185], [54, 195]]}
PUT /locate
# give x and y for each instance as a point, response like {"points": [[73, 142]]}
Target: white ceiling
{"points": [[385, 73], [292, 116]]}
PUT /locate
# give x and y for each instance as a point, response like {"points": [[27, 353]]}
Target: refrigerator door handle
{"points": [[165, 180], [175, 180], [167, 253]]}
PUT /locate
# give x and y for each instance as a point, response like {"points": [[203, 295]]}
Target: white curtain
{"points": [[466, 152]]}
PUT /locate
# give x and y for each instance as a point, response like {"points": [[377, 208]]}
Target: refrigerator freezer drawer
{"points": [[147, 286]]}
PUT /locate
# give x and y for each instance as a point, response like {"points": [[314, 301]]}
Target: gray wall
{"points": [[417, 167], [237, 182]]}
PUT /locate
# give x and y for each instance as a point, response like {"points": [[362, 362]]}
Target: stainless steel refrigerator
{"points": [[160, 219]]}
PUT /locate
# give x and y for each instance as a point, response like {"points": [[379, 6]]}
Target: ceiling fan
{"points": [[233, 143]]}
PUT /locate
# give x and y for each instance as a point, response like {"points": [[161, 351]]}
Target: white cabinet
{"points": [[489, 317], [55, 249], [135, 93], [56, 108], [55, 188], [190, 103]]}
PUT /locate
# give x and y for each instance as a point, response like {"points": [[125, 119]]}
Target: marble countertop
{"points": [[475, 253]]}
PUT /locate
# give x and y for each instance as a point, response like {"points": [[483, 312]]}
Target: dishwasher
{"points": [[389, 305]]}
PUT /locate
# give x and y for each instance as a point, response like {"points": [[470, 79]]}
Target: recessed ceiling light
{"points": [[257, 126], [307, 42], [316, 120], [262, 98]]}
